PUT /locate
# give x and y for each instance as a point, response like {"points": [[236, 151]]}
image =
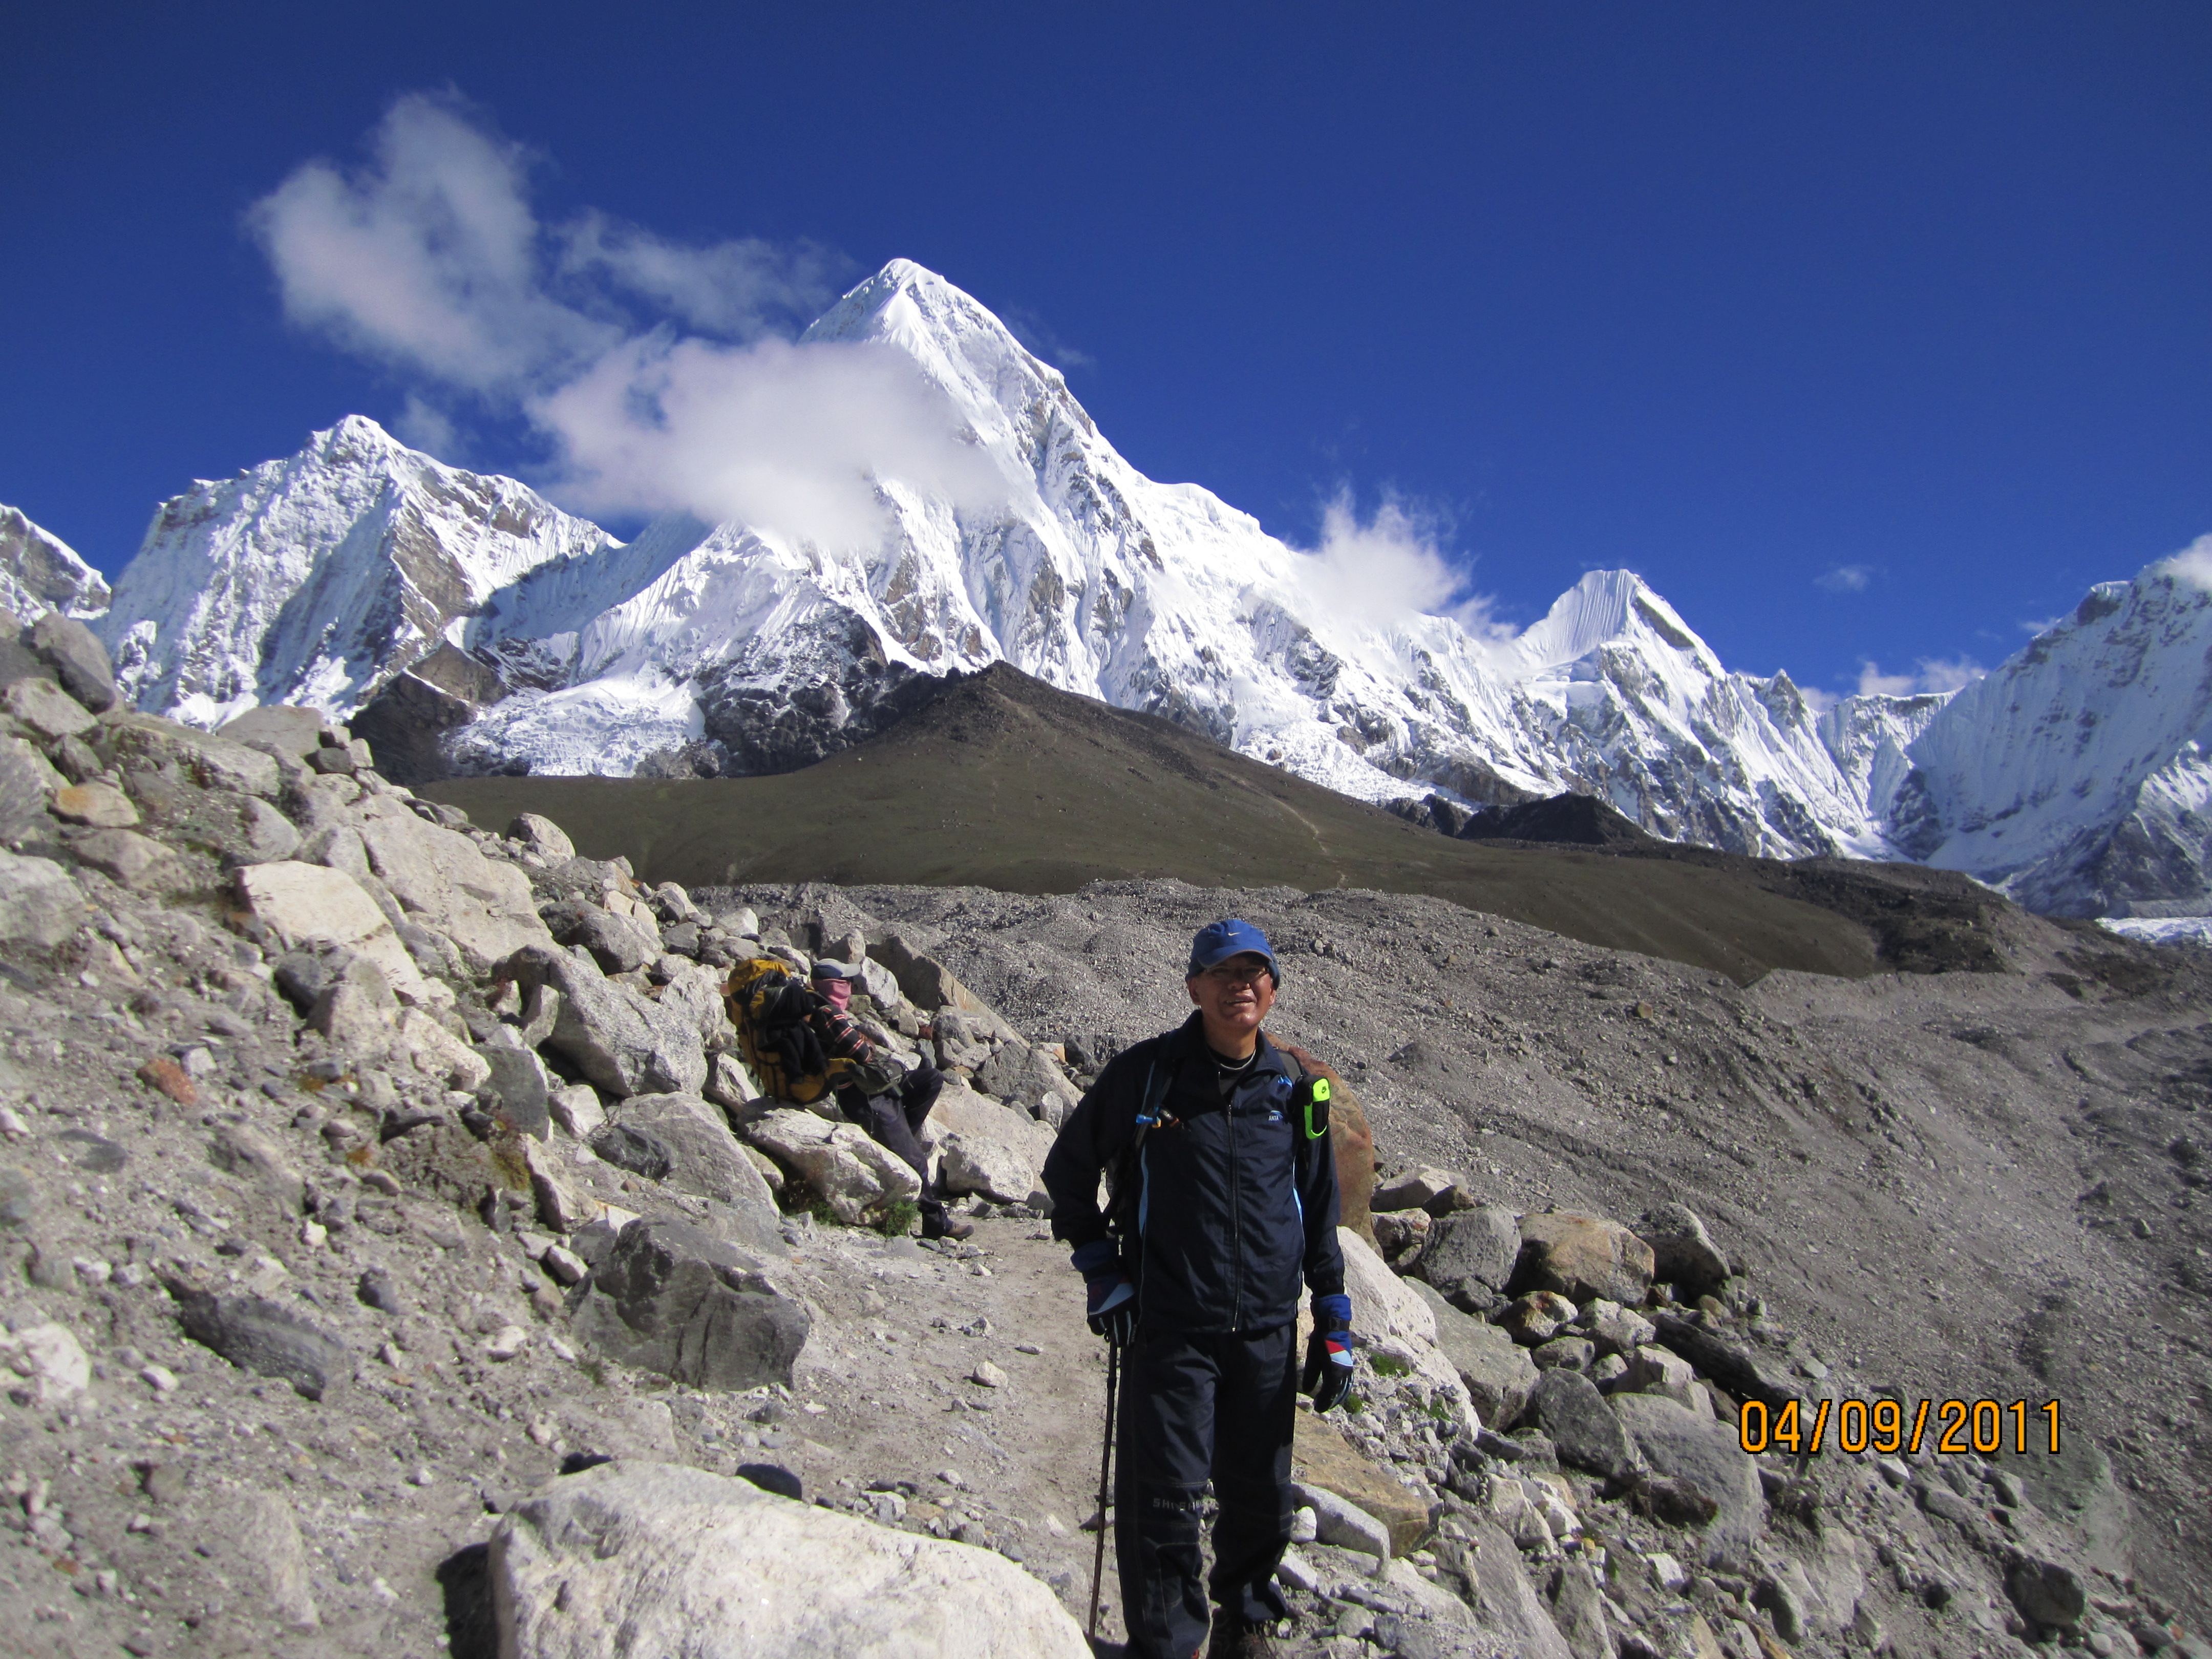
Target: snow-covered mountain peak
{"points": [[316, 578], [1606, 607], [39, 571]]}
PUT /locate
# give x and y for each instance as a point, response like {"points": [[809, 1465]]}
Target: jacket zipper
{"points": [[1236, 1222]]}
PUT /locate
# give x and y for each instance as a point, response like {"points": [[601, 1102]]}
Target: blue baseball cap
{"points": [[1230, 937]]}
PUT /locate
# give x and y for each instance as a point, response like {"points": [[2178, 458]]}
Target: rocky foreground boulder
{"points": [[649, 1557]]}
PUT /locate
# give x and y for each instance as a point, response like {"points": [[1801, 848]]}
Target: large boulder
{"points": [[1496, 1370], [38, 903], [1510, 1606], [629, 1558], [304, 904], [984, 1147], [1683, 1253], [1706, 1456], [704, 1159], [278, 729], [148, 742], [1480, 1245], [1391, 1314], [1582, 1257], [625, 1043], [838, 1161], [485, 907], [76, 656], [672, 1299], [1568, 1408], [28, 788]]}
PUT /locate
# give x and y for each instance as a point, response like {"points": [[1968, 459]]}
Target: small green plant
{"points": [[901, 1216], [1355, 1403], [1389, 1364], [595, 1368]]}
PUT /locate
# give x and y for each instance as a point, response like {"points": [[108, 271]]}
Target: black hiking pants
{"points": [[895, 1120], [1194, 1407]]}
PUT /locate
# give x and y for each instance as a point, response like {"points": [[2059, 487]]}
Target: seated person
{"points": [[893, 1116]]}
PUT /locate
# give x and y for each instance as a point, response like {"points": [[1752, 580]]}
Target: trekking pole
{"points": [[1105, 1468]]}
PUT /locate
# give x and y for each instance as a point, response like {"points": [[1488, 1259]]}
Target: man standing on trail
{"points": [[1224, 1201]]}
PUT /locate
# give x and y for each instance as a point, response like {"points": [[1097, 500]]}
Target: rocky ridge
{"points": [[386, 1197]]}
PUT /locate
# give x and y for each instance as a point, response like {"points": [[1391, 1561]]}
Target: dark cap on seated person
{"points": [[826, 969], [1228, 938]]}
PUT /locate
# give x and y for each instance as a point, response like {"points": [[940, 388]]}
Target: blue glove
{"points": [[1109, 1299], [1328, 1353]]}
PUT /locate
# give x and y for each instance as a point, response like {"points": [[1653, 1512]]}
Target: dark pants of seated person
{"points": [[895, 1120]]}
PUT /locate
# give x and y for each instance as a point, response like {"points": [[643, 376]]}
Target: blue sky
{"points": [[1867, 332]]}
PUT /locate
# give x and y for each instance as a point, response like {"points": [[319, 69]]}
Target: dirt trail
{"points": [[892, 1366]]}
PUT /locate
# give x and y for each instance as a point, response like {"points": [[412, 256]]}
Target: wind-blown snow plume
{"points": [[653, 366], [1387, 570]]}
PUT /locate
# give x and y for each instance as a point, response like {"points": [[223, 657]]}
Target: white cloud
{"points": [[1387, 569], [2193, 564], [1845, 577], [2043, 625], [771, 433], [740, 289], [431, 260], [1931, 674], [1818, 701], [422, 425]]}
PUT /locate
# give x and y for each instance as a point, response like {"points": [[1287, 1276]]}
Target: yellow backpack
{"points": [[769, 1005]]}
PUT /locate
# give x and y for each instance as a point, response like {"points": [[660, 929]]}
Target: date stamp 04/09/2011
{"points": [[1887, 1426]]}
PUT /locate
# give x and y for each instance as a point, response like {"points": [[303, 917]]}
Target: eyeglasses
{"points": [[1229, 973]]}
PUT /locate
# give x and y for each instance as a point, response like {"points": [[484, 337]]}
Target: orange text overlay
{"points": [[1952, 1427]]}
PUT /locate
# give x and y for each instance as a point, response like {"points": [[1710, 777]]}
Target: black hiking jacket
{"points": [[1222, 1231]]}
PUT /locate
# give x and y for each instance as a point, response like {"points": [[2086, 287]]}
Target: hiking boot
{"points": [[938, 1224], [1233, 1638]]}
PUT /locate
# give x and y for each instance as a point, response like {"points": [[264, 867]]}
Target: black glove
{"points": [[1110, 1302], [1328, 1353]]}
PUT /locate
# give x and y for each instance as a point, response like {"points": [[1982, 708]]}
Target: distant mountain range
{"points": [[468, 626]]}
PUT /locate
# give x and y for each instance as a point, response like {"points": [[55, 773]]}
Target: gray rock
{"points": [[1743, 1373], [19, 1196], [671, 1560], [624, 1042], [542, 835], [1703, 1455], [616, 946], [1481, 1244], [704, 1159], [633, 1147], [1575, 1353], [1496, 1370], [1781, 1604], [670, 1299], [355, 1009], [1683, 1253], [255, 1537], [46, 709], [237, 828], [38, 903], [1511, 1608], [1574, 1416], [518, 1091], [77, 658], [27, 787], [2048, 1592], [1578, 1611], [138, 862], [148, 742], [264, 1337], [277, 728]]}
